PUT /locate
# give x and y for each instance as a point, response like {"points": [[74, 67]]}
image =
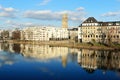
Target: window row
{"points": [[102, 36]]}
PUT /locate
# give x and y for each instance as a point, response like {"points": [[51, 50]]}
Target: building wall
{"points": [[90, 33]]}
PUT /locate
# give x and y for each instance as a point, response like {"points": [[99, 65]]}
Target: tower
{"points": [[65, 21]]}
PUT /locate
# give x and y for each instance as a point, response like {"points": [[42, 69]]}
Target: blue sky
{"points": [[22, 13]]}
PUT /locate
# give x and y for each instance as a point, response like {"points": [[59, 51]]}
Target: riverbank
{"points": [[67, 43]]}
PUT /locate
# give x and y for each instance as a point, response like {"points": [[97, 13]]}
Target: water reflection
{"points": [[45, 52], [6, 55], [39, 52], [89, 60]]}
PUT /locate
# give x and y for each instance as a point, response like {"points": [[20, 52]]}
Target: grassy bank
{"points": [[70, 44]]}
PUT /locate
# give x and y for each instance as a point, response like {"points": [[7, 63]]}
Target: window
{"points": [[91, 35], [117, 36], [99, 36], [114, 36], [111, 36], [104, 35], [96, 35]]}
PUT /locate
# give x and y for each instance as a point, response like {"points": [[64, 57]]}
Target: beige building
{"points": [[104, 32]]}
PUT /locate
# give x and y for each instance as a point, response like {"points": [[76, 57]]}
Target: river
{"points": [[45, 62]]}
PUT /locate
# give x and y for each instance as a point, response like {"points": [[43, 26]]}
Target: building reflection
{"points": [[38, 52], [5, 58], [91, 60], [13, 48], [45, 52]]}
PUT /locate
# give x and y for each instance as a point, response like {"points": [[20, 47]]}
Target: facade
{"points": [[73, 34], [103, 32], [59, 34], [35, 33], [44, 33]]}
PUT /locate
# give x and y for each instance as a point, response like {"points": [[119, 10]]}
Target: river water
{"points": [[44, 62]]}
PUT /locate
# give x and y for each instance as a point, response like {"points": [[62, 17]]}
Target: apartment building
{"points": [[93, 30], [59, 34], [44, 33]]}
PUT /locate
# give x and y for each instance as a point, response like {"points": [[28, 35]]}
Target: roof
{"points": [[90, 20], [101, 23]]}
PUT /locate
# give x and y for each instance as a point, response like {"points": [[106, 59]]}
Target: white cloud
{"points": [[44, 2], [9, 22], [52, 15], [9, 15], [15, 24], [80, 9], [7, 12], [28, 24], [9, 9], [110, 14]]}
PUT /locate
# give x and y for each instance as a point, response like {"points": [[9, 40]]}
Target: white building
{"points": [[59, 34], [44, 33]]}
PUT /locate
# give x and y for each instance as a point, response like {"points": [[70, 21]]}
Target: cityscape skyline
{"points": [[18, 14]]}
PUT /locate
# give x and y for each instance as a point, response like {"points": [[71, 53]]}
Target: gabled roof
{"points": [[90, 20]]}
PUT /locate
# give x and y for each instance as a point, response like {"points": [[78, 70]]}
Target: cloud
{"points": [[80, 9], [15, 24], [9, 22], [7, 59], [9, 15], [44, 2], [10, 9], [54, 15], [111, 14], [7, 12]]}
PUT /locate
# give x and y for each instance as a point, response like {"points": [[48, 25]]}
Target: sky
{"points": [[24, 13]]}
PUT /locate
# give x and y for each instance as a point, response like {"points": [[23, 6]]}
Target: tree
{"points": [[5, 35], [16, 35]]}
